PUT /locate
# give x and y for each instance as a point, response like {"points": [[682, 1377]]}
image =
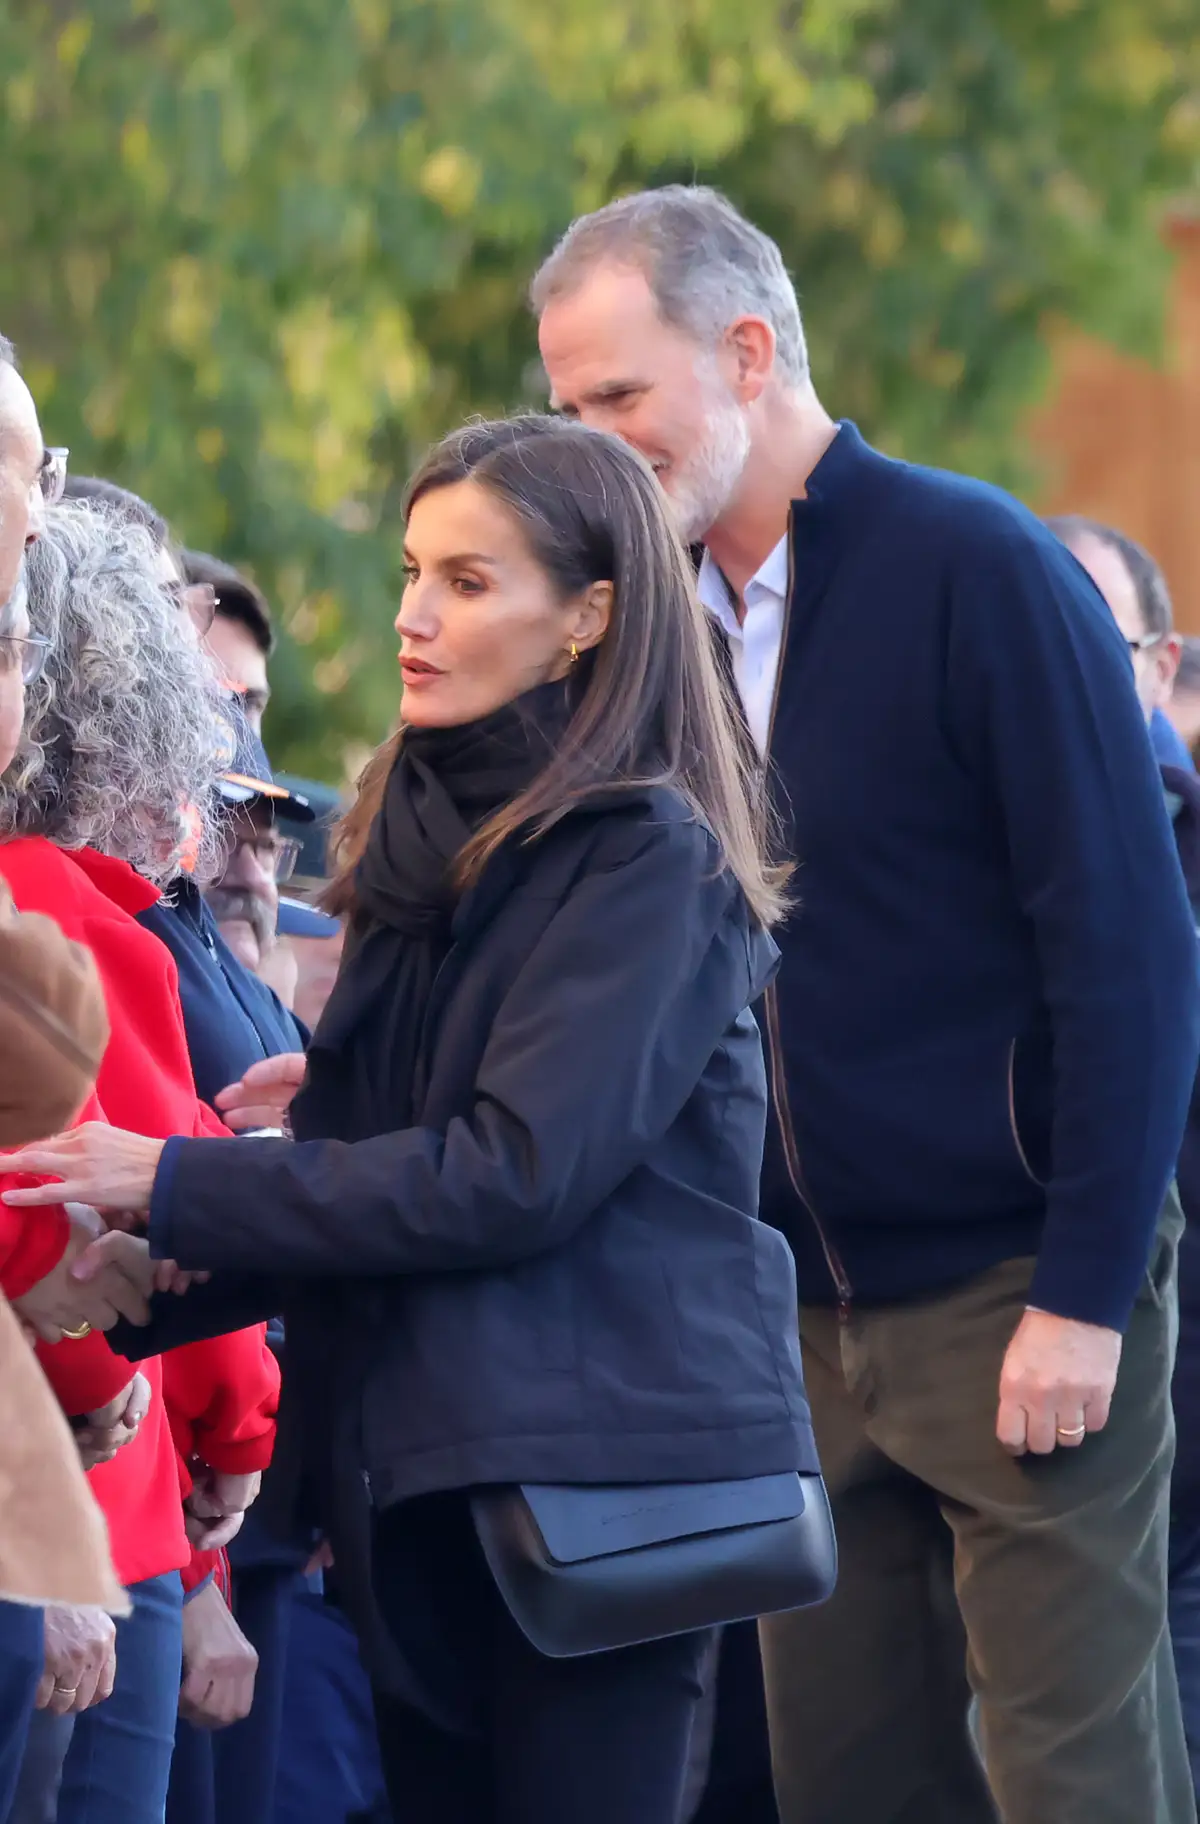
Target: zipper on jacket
{"points": [[779, 1094], [206, 938]]}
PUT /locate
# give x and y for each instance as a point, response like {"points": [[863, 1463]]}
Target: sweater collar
{"points": [[832, 503], [833, 486]]}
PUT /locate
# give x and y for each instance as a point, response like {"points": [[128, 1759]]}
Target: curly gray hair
{"points": [[121, 729]]}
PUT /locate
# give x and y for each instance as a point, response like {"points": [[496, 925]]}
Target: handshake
{"points": [[102, 1277]]}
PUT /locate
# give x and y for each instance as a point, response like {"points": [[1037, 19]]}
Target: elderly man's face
{"points": [[245, 901], [1155, 659], [21, 457]]}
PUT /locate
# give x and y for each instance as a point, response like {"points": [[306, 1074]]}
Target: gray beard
{"points": [[230, 905], [709, 478]]}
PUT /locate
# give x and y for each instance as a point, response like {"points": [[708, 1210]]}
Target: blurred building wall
{"points": [[1121, 439]]}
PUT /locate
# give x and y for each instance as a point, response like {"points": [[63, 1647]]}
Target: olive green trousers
{"points": [[1036, 1584]]}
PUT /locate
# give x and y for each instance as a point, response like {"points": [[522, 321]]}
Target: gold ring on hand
{"points": [[77, 1336], [1070, 1431]]}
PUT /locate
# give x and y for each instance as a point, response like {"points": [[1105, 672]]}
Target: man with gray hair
{"points": [[31, 476], [982, 1042]]}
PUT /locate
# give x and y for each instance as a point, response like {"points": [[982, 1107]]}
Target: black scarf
{"points": [[445, 783]]}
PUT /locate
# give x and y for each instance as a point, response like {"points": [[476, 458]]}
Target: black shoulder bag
{"points": [[589, 1569]]}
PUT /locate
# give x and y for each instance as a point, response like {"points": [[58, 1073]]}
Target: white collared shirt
{"points": [[756, 642]]}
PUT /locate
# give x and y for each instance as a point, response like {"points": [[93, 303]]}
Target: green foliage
{"points": [[257, 253]]}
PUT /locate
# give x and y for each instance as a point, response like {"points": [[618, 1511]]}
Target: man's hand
{"points": [[219, 1663], [61, 1303], [1056, 1384], [109, 1428], [95, 1163], [216, 1507], [81, 1660], [265, 1093]]}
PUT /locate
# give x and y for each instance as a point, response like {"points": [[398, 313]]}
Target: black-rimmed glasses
{"points": [[275, 855]]}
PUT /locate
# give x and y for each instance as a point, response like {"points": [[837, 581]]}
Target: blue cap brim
{"points": [[245, 788], [298, 920]]}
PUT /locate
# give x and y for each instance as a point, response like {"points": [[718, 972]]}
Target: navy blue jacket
{"points": [[556, 1273], [232, 1020], [988, 1013]]}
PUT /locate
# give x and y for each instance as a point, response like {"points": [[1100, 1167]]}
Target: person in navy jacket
{"points": [[233, 1021], [233, 1018], [983, 1040]]}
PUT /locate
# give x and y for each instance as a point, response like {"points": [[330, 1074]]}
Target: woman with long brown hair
{"points": [[515, 1235]]}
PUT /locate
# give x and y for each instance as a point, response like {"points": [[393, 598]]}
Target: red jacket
{"points": [[220, 1388]]}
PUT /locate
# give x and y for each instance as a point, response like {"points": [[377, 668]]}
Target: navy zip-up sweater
{"points": [[988, 1013], [232, 1020]]}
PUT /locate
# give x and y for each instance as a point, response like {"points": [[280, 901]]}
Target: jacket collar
{"points": [[823, 524], [835, 487], [120, 883]]}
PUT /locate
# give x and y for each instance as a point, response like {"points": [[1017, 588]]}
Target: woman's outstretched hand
{"points": [[265, 1093], [131, 1256], [97, 1164]]}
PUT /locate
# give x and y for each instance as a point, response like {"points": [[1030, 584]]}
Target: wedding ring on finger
{"points": [[1070, 1431], [77, 1336], [66, 1690]]}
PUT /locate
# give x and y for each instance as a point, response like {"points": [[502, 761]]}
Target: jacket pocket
{"points": [[1162, 1267], [1025, 1054]]}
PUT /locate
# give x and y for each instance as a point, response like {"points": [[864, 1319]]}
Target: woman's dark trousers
{"points": [[489, 1731]]}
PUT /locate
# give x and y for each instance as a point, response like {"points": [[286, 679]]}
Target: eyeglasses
{"points": [[200, 600], [28, 656], [52, 476], [275, 855], [1145, 642]]}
